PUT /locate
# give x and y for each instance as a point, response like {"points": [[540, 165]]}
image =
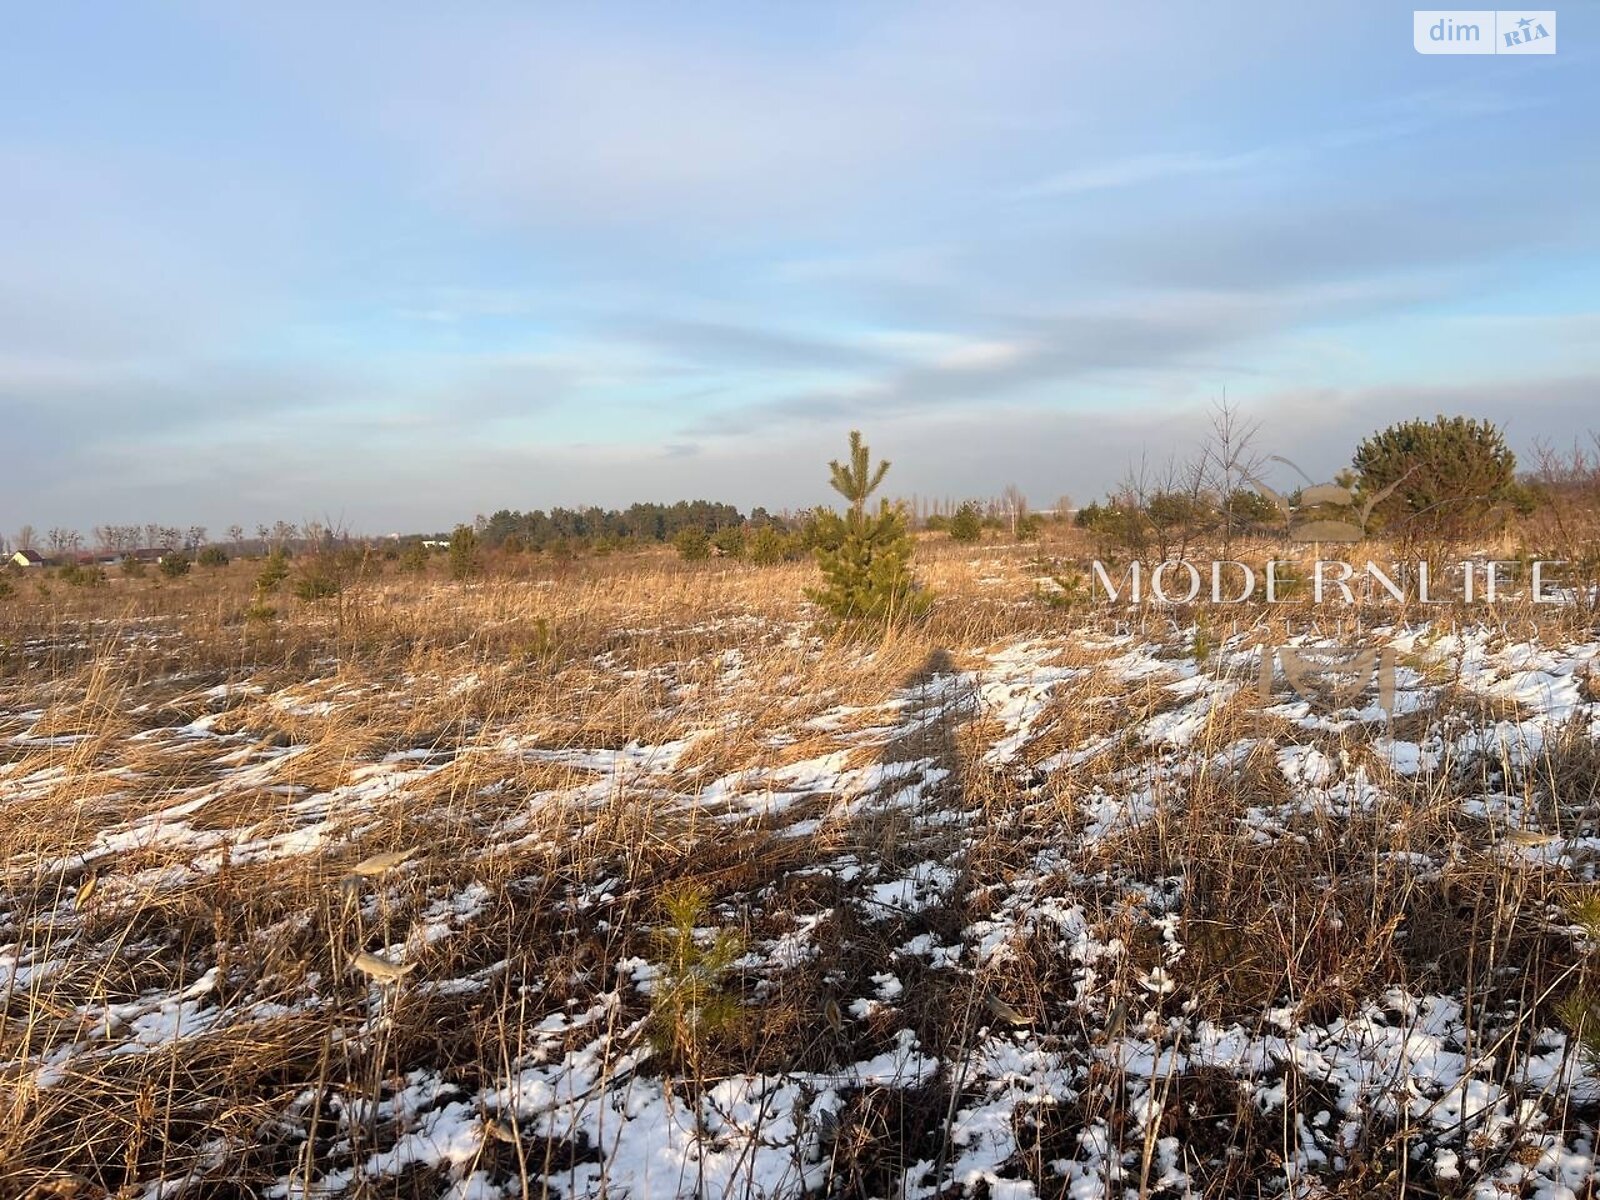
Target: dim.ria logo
{"points": [[1483, 31]]}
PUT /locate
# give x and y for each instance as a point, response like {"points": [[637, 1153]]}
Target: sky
{"points": [[391, 266]]}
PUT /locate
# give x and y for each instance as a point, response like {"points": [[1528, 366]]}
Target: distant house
{"points": [[28, 558]]}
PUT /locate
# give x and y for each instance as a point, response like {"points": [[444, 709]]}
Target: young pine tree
{"points": [[463, 552], [865, 557], [692, 543], [967, 523]]}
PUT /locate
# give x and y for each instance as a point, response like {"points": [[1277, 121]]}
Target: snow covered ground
{"points": [[1062, 915]]}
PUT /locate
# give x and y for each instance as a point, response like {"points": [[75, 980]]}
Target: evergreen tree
{"points": [[730, 541], [414, 559], [769, 546], [692, 544], [967, 523], [1436, 478], [856, 481], [865, 558], [463, 552]]}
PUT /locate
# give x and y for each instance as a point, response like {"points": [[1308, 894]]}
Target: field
{"points": [[696, 897]]}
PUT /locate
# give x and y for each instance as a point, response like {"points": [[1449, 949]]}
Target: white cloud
{"points": [[981, 356], [1145, 169]]}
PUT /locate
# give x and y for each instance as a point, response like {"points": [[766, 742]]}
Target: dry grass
{"points": [[182, 791]]}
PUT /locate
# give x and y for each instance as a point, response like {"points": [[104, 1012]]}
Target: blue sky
{"points": [[398, 264]]}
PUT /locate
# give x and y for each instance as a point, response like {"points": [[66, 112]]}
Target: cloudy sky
{"points": [[398, 264]]}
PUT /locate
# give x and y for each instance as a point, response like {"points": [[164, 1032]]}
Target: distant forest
{"points": [[638, 522]]}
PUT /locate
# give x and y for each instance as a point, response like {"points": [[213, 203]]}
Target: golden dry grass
{"points": [[182, 790]]}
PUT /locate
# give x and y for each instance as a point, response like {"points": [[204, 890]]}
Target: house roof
{"points": [[32, 556]]}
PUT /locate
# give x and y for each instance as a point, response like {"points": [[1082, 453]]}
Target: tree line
{"points": [[540, 530], [1438, 480]]}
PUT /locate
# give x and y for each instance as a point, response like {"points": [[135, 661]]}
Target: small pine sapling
{"points": [[865, 558], [691, 1004]]}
